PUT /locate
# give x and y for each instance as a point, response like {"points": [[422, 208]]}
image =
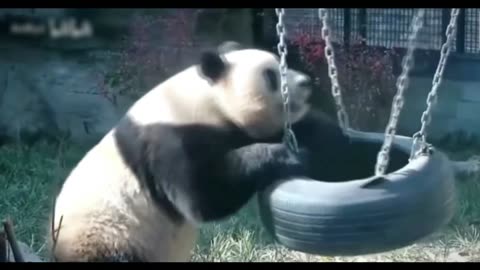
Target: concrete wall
{"points": [[458, 107]]}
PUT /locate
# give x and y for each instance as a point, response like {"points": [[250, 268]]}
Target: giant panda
{"points": [[192, 150]]}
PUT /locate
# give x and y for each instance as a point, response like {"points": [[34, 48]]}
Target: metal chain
{"points": [[289, 136], [421, 136], [398, 100], [332, 70]]}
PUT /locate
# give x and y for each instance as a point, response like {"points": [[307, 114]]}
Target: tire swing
{"points": [[369, 215]]}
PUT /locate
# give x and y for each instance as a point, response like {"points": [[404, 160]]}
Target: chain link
{"points": [[398, 100], [332, 70], [289, 136], [420, 137]]}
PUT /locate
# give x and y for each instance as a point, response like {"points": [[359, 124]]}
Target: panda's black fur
{"points": [[232, 165], [182, 174]]}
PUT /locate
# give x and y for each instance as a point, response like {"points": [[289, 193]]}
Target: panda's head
{"points": [[246, 85]]}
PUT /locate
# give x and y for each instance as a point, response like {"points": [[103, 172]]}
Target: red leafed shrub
{"points": [[154, 48], [365, 75]]}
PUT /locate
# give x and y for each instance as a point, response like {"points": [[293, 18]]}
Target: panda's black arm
{"points": [[231, 182], [329, 149], [192, 174], [263, 163], [316, 130]]}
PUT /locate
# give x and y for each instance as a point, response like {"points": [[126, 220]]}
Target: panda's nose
{"points": [[304, 82]]}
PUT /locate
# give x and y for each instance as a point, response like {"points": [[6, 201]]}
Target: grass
{"points": [[29, 177]]}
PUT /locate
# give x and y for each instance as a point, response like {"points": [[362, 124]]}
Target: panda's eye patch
{"points": [[272, 79]]}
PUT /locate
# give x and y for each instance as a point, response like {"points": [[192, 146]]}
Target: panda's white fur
{"points": [[241, 97], [105, 212], [96, 199]]}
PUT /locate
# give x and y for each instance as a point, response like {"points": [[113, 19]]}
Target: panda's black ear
{"points": [[229, 46], [212, 66]]}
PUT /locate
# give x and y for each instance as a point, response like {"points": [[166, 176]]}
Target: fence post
{"points": [[347, 19], [445, 21], [461, 31], [362, 19], [258, 26]]}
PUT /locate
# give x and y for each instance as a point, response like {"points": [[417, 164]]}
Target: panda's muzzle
{"points": [[305, 83], [303, 90]]}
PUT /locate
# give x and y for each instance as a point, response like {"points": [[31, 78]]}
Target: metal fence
{"points": [[391, 27]]}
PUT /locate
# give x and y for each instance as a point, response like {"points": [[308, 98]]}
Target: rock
{"points": [[27, 253]]}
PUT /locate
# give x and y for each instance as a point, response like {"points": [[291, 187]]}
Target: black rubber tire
{"points": [[351, 218]]}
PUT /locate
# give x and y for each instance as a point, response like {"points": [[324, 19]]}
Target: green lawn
{"points": [[28, 177]]}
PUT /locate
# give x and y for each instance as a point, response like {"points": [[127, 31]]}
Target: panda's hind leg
{"points": [[88, 250], [96, 242]]}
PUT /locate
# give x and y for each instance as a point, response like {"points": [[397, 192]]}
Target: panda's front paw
{"points": [[290, 162], [303, 155]]}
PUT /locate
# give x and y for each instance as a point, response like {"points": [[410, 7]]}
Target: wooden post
{"points": [[362, 18], [8, 227], [3, 247]]}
